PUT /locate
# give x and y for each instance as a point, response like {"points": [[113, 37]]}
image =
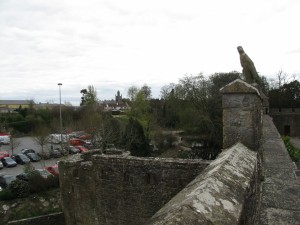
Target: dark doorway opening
{"points": [[287, 130]]}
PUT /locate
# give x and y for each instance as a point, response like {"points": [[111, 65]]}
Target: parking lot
{"points": [[29, 143]]}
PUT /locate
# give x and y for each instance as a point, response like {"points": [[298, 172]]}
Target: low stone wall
{"points": [[121, 190], [50, 219], [280, 190], [217, 196]]}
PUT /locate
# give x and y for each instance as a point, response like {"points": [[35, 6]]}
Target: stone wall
{"points": [[217, 196], [242, 114], [50, 219], [286, 120], [280, 189], [121, 190]]}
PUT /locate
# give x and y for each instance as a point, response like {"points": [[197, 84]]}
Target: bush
{"points": [[52, 181], [6, 194], [293, 151], [19, 188], [36, 182], [28, 168]]}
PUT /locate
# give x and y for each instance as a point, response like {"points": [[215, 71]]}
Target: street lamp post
{"points": [[60, 118]]}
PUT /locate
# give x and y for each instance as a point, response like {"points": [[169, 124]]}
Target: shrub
{"points": [[293, 151], [36, 182], [19, 188], [28, 168], [6, 194], [52, 182]]}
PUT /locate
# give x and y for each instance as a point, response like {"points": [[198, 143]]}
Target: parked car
{"points": [[33, 157], [5, 180], [88, 145], [82, 149], [55, 153], [76, 141], [52, 169], [8, 162], [44, 155], [26, 151], [21, 158], [1, 165], [4, 154], [73, 150], [44, 173], [22, 176], [5, 139]]}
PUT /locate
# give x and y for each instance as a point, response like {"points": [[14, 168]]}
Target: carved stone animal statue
{"points": [[249, 72]]}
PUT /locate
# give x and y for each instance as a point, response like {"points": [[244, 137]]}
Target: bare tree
{"points": [[14, 143], [41, 136], [282, 78], [131, 92]]}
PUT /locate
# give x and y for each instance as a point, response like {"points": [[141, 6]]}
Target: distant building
{"points": [[9, 106], [114, 105], [286, 120], [118, 97], [46, 105]]}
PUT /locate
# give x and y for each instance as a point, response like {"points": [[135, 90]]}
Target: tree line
{"points": [[192, 106]]}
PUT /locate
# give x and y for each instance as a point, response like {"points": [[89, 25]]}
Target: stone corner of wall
{"points": [[217, 195], [239, 86]]}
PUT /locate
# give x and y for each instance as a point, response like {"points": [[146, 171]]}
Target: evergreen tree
{"points": [[135, 139]]}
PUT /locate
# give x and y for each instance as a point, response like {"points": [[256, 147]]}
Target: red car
{"points": [[52, 169], [4, 154], [81, 148], [76, 141]]}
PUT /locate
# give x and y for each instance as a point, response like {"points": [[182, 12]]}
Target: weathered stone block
{"points": [[217, 196], [242, 114], [121, 190]]}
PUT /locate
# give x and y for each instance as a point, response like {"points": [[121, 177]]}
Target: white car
{"points": [[1, 165], [5, 140]]}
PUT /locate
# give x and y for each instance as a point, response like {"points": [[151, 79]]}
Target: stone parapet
{"points": [[280, 195], [121, 190], [217, 196]]}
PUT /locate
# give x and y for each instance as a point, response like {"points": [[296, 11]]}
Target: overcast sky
{"points": [[115, 44]]}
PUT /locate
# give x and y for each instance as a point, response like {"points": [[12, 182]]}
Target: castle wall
{"points": [[251, 182], [242, 114], [121, 190], [50, 219], [217, 196], [286, 120]]}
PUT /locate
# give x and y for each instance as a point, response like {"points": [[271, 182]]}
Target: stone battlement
{"points": [[251, 182], [114, 189]]}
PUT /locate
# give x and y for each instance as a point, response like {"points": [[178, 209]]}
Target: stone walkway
{"points": [[280, 197]]}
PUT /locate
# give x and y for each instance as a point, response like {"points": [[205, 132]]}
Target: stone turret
{"points": [[242, 114]]}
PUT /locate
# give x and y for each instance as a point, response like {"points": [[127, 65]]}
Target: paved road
{"points": [[27, 142]]}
